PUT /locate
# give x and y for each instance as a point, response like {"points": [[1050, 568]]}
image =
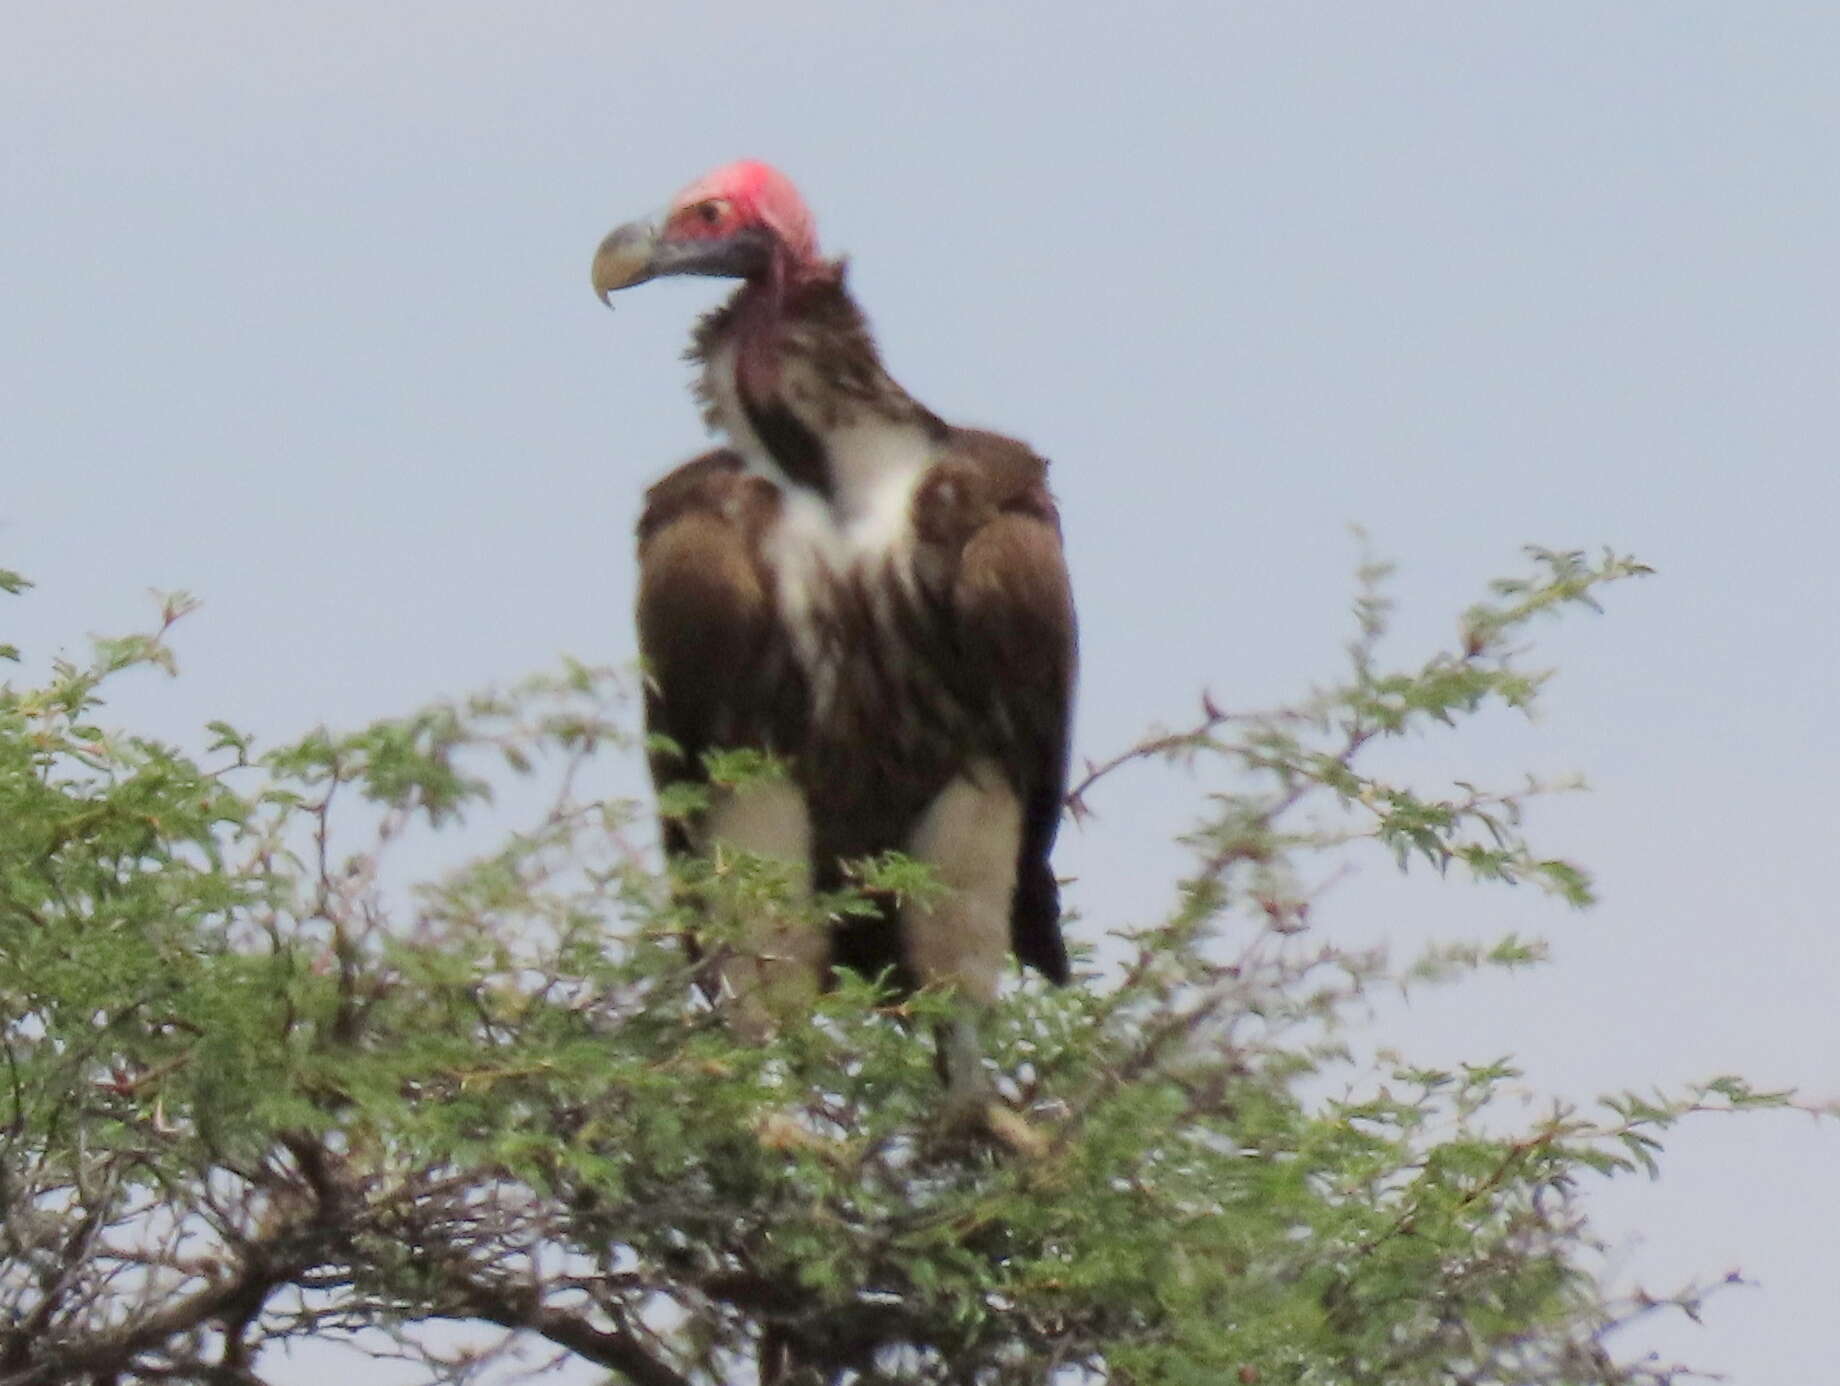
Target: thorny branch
{"points": [[511, 1113]]}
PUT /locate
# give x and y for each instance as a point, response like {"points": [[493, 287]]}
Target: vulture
{"points": [[872, 597]]}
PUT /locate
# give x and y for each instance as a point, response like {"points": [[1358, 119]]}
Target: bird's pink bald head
{"points": [[741, 194], [743, 221]]}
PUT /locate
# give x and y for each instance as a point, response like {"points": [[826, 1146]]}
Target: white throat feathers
{"points": [[863, 527]]}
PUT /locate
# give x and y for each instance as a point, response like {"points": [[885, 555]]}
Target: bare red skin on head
{"points": [[747, 193], [720, 203]]}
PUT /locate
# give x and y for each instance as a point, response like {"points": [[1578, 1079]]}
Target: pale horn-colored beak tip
{"points": [[623, 259]]}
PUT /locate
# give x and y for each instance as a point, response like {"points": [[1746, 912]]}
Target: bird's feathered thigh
{"points": [[946, 660]]}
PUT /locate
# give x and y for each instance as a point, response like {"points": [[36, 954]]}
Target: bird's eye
{"points": [[711, 211]]}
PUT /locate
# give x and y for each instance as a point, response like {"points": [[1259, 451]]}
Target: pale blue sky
{"points": [[297, 317]]}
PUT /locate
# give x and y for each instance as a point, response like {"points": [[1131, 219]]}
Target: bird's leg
{"points": [[773, 976], [958, 933], [973, 1106], [775, 967], [970, 1095], [960, 1057]]}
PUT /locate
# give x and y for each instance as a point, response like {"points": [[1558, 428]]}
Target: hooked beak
{"points": [[638, 251], [624, 259]]}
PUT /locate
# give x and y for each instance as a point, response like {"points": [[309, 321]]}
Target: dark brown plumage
{"points": [[873, 596]]}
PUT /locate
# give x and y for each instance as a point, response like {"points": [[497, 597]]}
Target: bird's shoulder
{"points": [[717, 675], [990, 542], [979, 477], [701, 575], [715, 485]]}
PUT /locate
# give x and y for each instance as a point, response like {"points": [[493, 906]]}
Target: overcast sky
{"points": [[296, 316]]}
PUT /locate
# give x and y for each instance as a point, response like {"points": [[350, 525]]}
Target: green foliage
{"points": [[253, 1093]]}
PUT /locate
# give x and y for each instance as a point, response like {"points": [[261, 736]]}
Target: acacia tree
{"points": [[253, 1094]]}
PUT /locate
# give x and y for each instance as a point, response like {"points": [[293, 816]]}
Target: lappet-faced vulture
{"points": [[871, 595]]}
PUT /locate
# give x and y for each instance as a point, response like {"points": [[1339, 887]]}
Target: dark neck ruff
{"points": [[799, 450], [814, 315]]}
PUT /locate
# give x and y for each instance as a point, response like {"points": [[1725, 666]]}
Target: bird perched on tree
{"points": [[875, 598]]}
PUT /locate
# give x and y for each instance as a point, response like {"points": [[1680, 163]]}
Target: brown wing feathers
{"points": [[989, 559], [1014, 608], [716, 677]]}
